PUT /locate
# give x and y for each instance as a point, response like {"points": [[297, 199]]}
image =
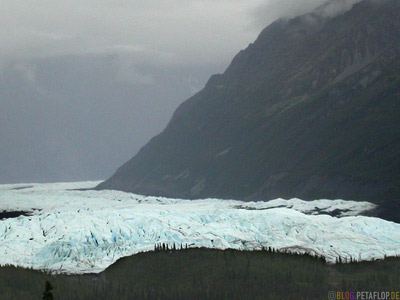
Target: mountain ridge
{"points": [[309, 110]]}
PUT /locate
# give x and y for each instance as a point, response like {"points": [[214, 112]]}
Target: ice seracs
{"points": [[85, 231]]}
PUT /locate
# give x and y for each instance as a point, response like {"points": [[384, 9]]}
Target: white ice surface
{"points": [[86, 231]]}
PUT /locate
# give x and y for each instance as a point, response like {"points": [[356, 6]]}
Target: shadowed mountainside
{"points": [[310, 110]]}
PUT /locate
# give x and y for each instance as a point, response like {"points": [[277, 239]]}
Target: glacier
{"points": [[72, 229]]}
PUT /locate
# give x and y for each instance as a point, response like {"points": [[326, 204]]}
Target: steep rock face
{"points": [[310, 110]]}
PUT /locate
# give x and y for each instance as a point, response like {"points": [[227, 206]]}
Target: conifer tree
{"points": [[48, 294]]}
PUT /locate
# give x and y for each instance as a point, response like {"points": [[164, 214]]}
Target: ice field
{"points": [[84, 231]]}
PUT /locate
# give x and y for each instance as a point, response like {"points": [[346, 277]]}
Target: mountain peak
{"points": [[309, 110]]}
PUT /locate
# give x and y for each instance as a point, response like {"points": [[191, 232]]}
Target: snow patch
{"points": [[226, 151]]}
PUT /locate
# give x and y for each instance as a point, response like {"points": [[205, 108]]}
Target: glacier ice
{"points": [[84, 231]]}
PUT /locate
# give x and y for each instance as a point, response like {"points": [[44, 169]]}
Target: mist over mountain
{"points": [[70, 118], [309, 110], [78, 98]]}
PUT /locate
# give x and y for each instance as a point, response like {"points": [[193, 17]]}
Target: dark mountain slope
{"points": [[310, 110]]}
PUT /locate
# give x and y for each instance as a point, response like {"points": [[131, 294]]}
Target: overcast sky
{"points": [[85, 83], [161, 31]]}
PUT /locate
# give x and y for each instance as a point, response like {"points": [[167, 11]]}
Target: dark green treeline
{"points": [[206, 274]]}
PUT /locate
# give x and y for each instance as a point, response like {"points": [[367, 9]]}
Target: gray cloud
{"points": [[157, 31], [166, 31], [268, 11]]}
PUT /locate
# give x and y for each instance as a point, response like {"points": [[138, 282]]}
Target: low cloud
{"points": [[167, 31], [268, 11], [160, 32]]}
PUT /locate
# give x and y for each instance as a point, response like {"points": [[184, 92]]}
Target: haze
{"points": [[85, 84]]}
